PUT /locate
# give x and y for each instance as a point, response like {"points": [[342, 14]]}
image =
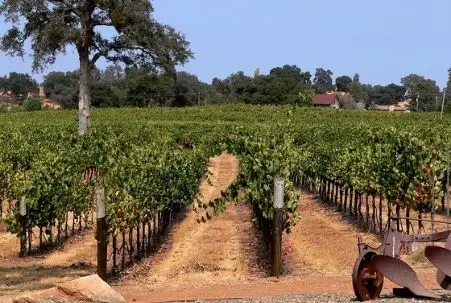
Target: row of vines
{"points": [[150, 162]]}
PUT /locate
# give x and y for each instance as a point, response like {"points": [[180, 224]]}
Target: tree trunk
{"points": [[84, 105]]}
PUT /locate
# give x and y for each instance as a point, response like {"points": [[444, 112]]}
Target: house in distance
{"points": [[326, 100]]}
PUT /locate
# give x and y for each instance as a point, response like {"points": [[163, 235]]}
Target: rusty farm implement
{"points": [[375, 264]]}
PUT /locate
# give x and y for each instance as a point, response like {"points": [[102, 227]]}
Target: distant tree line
{"points": [[117, 87], [16, 86]]}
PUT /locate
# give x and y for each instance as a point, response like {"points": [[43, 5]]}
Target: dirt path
{"points": [[203, 254], [321, 253], [323, 243], [74, 259], [261, 288]]}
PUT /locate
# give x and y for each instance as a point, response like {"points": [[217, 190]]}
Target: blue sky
{"points": [[382, 40]]}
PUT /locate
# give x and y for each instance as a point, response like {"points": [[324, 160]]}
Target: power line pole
{"points": [[418, 97], [443, 102]]}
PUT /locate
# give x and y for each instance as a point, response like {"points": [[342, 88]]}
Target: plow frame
{"points": [[394, 240], [367, 280]]}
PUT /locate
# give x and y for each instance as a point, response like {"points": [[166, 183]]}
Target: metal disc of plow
{"points": [[440, 257], [443, 280], [367, 281], [402, 274]]}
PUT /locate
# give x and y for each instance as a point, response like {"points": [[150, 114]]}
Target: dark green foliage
{"points": [[447, 107], [114, 87], [62, 88], [137, 39], [32, 104], [3, 108], [104, 96], [448, 85], [323, 81], [390, 94], [134, 38], [359, 92], [421, 89], [342, 83], [281, 86], [19, 85], [144, 89], [189, 90]]}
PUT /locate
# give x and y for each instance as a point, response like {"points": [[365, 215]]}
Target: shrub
{"points": [[16, 109], [33, 104], [3, 108]]}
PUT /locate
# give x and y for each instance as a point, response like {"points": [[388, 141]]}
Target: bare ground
{"points": [[323, 243], [74, 259], [320, 254], [202, 254]]}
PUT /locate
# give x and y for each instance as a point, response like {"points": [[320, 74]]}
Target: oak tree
{"points": [[134, 37], [342, 83], [323, 81]]}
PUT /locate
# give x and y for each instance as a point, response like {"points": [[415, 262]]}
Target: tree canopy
{"points": [[422, 91], [342, 83], [323, 81], [19, 85], [135, 38], [115, 86]]}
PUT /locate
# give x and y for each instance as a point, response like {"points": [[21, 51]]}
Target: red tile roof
{"points": [[326, 99]]}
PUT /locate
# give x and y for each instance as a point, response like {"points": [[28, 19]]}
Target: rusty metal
{"points": [[374, 263], [403, 293], [394, 241], [443, 280], [423, 220], [402, 274], [367, 281], [439, 257]]}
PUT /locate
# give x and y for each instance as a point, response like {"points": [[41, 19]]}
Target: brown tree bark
{"points": [[84, 105]]}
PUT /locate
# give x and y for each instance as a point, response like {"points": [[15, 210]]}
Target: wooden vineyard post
{"points": [[23, 227], [340, 207], [276, 250], [350, 201], [367, 209], [374, 223], [336, 195], [380, 214], [408, 220], [346, 199], [101, 234], [115, 267]]}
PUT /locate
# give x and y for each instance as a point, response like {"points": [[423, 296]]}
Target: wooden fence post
{"points": [[346, 199], [276, 251], [101, 234], [23, 226], [381, 205], [340, 206]]}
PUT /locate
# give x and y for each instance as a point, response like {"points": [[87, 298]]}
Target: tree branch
{"points": [[100, 23], [95, 58], [69, 7]]}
